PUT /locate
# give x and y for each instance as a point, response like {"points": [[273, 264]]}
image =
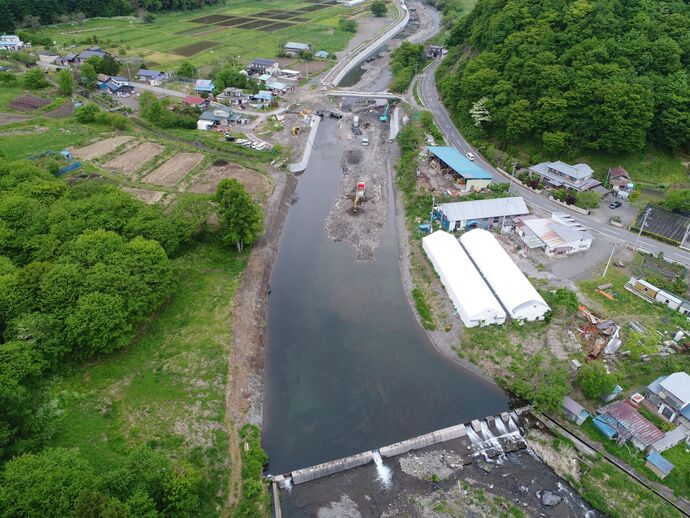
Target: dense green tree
{"points": [[65, 81], [378, 8], [44, 484], [87, 75], [35, 79], [108, 66], [232, 77], [594, 380], [241, 219], [678, 201], [186, 69]]}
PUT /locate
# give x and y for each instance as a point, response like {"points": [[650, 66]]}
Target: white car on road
{"points": [[470, 156]]}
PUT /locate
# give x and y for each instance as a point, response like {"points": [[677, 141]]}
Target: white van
{"points": [[365, 140]]}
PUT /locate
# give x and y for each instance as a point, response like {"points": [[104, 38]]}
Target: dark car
{"points": [[615, 205]]}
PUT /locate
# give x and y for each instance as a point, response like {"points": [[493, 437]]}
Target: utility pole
{"points": [[608, 263], [431, 214], [644, 222], [510, 185]]}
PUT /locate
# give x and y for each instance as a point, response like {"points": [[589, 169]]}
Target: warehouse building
{"points": [[488, 214], [469, 176], [513, 289], [470, 295]]}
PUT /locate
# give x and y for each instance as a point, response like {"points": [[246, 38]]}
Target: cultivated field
{"points": [[144, 195], [133, 159], [255, 183], [100, 148], [9, 118], [28, 103], [243, 28], [174, 170]]}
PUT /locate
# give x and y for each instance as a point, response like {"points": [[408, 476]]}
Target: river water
{"points": [[348, 369]]}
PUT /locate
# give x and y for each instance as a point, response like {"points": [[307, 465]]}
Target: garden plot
{"points": [[28, 103], [213, 18], [132, 160], [10, 118], [144, 195], [194, 48], [255, 183], [100, 148], [276, 26], [174, 169]]}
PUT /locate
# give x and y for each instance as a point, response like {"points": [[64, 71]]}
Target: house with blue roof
{"points": [[670, 395], [659, 465], [263, 98], [469, 176], [153, 77], [204, 86]]}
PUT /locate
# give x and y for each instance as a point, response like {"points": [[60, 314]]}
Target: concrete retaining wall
{"points": [[421, 441], [334, 466], [571, 207], [302, 164]]}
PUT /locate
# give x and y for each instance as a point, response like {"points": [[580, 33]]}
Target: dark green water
{"points": [[348, 369]]}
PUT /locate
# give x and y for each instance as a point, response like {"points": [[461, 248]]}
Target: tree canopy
{"points": [[241, 219], [378, 8], [611, 75]]}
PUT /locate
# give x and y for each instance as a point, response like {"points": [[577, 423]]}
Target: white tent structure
{"points": [[510, 285], [470, 295]]}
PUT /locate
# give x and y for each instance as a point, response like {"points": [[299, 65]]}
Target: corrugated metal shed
{"points": [[678, 384], [660, 463], [633, 422], [459, 163], [481, 209]]}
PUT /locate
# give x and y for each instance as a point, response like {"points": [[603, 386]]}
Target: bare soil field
{"points": [[100, 148], [144, 195], [172, 171], [9, 118], [194, 48], [132, 160], [61, 111], [255, 183], [28, 103]]}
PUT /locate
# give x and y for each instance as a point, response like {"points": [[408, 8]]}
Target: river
{"points": [[348, 368]]}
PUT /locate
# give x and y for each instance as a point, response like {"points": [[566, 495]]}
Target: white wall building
{"points": [[558, 235], [470, 295], [510, 285]]}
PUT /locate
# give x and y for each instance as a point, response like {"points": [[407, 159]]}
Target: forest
{"points": [[608, 75], [20, 13], [82, 266]]}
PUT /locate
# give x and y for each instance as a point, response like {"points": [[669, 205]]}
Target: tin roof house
{"points": [[559, 174], [293, 48], [10, 42], [671, 396], [620, 421]]}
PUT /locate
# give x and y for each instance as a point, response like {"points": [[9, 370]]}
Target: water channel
{"points": [[348, 368]]}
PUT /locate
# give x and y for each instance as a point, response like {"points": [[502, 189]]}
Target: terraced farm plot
{"points": [[207, 182], [145, 195], [213, 18], [100, 148], [276, 26], [61, 111], [132, 160], [194, 48], [9, 118], [257, 24], [28, 103], [312, 8], [174, 170], [236, 22]]}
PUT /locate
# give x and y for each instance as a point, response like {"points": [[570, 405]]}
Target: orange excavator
{"points": [[359, 195]]}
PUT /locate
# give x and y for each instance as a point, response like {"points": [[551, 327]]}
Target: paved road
{"points": [[430, 98]]}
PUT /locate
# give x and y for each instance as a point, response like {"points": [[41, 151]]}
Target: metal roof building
{"points": [[513, 289], [479, 213], [459, 163], [470, 295], [630, 424], [659, 465]]}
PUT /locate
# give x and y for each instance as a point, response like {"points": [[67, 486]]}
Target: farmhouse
{"points": [[90, 52], [196, 101], [574, 411], [512, 288], [466, 215], [670, 395], [470, 295], [234, 96], [469, 175], [620, 181], [10, 42], [263, 98], [560, 174], [279, 89], [557, 236], [263, 66], [292, 48], [154, 77], [204, 86], [220, 116], [621, 421]]}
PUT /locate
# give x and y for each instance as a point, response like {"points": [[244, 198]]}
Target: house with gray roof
{"points": [[293, 48], [151, 76], [262, 66], [91, 52], [574, 411], [487, 214], [559, 174], [670, 395]]}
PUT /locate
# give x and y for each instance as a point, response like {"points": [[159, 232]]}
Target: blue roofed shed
{"points": [[659, 465], [605, 425], [322, 54], [470, 175], [204, 85]]}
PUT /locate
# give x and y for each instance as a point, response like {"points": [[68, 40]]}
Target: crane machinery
{"points": [[359, 195]]}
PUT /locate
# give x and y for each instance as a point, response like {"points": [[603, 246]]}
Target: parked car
{"points": [[615, 205], [470, 156]]}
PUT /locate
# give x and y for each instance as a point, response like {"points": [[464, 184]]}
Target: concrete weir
{"points": [[489, 437]]}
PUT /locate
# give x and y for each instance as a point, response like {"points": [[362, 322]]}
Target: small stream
{"points": [[348, 369]]}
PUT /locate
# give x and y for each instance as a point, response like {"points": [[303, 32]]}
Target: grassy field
{"points": [[43, 134], [167, 390], [154, 43]]}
